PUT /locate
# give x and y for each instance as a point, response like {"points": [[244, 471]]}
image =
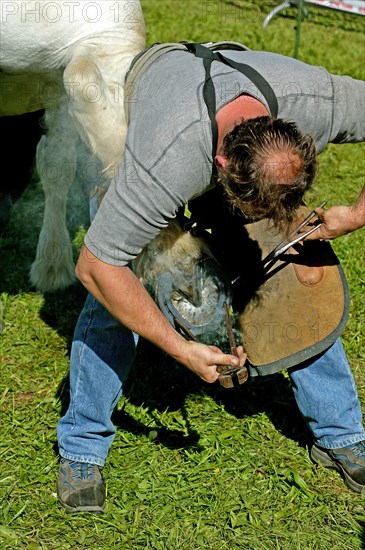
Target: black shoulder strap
{"points": [[262, 85], [208, 92], [208, 56]]}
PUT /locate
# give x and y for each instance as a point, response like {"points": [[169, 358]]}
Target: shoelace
{"points": [[82, 470], [359, 450]]}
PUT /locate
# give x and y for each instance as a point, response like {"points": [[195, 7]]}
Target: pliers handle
{"points": [[289, 241]]}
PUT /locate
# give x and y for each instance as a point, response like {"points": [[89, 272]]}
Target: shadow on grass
{"points": [[166, 386], [157, 383]]}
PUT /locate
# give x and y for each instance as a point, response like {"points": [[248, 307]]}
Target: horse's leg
{"points": [[94, 81], [97, 110], [53, 267]]}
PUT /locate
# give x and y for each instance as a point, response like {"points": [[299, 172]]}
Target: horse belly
{"points": [[39, 36]]}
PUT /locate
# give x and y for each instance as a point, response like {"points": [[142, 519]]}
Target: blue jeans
{"points": [[326, 395], [103, 352]]}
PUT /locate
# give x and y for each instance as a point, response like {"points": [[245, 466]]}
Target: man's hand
{"points": [[336, 221], [339, 220], [203, 360]]}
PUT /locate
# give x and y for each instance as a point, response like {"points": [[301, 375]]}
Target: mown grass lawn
{"points": [[192, 466]]}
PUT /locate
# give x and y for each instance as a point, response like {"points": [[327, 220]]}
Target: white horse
{"points": [[71, 58]]}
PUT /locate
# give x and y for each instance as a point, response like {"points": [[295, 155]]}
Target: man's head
{"points": [[266, 167]]}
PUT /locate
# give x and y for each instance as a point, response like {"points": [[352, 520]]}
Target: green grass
{"points": [[192, 466]]}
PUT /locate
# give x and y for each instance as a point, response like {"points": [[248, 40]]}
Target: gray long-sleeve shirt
{"points": [[168, 153]]}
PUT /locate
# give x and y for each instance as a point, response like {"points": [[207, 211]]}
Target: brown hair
{"points": [[270, 166]]}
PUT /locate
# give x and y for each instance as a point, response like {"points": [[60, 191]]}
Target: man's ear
{"points": [[221, 161]]}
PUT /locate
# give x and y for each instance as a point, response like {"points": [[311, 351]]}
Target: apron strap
{"points": [[208, 56]]}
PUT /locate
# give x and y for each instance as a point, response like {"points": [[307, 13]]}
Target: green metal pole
{"points": [[299, 26]]}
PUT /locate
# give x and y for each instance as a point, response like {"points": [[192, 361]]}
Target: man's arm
{"points": [[121, 292], [340, 220]]}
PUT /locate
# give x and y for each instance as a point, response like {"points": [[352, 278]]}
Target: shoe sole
{"points": [[80, 509], [321, 457]]}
